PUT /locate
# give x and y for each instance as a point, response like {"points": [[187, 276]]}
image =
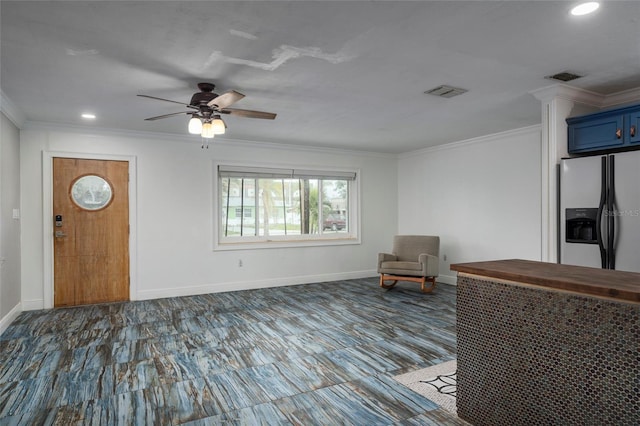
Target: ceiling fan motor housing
{"points": [[202, 98]]}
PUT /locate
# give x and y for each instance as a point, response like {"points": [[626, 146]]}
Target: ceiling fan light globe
{"points": [[207, 131], [218, 126], [195, 126]]}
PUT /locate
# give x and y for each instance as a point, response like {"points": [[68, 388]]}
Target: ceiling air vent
{"points": [[445, 91], [564, 76]]}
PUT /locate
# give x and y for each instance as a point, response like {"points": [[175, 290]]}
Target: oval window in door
{"points": [[91, 192]]}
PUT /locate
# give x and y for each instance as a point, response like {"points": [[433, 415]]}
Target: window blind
{"points": [[277, 173]]}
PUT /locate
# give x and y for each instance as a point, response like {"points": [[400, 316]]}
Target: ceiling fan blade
{"points": [[226, 99], [247, 113], [168, 100], [157, 117]]}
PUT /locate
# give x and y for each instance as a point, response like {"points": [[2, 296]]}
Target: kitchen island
{"points": [[542, 343]]}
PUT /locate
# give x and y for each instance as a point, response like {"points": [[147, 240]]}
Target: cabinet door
{"points": [[597, 133], [632, 130]]}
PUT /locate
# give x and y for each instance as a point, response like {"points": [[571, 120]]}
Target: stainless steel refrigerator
{"points": [[600, 211]]}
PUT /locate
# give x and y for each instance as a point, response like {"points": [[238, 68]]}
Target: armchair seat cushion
{"points": [[411, 266]]}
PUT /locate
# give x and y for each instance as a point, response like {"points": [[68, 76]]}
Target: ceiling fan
{"points": [[206, 107]]}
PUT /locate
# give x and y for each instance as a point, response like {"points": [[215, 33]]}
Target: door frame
{"points": [[47, 221]]}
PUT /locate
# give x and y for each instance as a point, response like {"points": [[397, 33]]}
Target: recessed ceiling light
{"points": [[585, 8], [88, 116]]}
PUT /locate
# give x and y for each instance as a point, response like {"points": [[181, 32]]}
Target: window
{"points": [[273, 205], [91, 192]]}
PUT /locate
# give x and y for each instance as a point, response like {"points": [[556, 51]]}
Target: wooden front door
{"points": [[91, 231]]}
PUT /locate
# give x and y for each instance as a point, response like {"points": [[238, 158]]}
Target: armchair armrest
{"points": [[385, 257], [429, 264]]}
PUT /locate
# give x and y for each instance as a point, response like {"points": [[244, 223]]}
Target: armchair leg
{"points": [[422, 280], [432, 281], [383, 285]]}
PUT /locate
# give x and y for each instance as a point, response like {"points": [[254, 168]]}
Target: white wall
{"points": [[174, 213], [482, 197], [9, 227]]}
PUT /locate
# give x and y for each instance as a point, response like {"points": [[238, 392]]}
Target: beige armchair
{"points": [[414, 258]]}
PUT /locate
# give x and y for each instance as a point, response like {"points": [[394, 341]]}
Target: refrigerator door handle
{"points": [[601, 205], [611, 217]]}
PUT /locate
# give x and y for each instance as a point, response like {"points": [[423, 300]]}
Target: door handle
{"points": [[619, 133], [632, 131], [60, 234], [601, 207]]}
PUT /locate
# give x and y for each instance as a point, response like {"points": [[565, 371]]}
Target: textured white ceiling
{"points": [[348, 74]]}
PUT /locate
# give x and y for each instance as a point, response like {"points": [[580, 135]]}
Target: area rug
{"points": [[437, 383]]}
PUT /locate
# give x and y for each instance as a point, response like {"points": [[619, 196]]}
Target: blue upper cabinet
{"points": [[602, 131], [595, 133], [633, 120]]}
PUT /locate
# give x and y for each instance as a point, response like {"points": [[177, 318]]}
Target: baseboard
{"points": [[32, 305], [8, 319], [36, 304], [250, 285], [447, 279]]}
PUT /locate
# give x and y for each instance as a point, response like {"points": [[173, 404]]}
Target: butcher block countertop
{"points": [[619, 285]]}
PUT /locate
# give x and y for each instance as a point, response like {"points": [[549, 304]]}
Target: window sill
{"points": [[269, 244]]}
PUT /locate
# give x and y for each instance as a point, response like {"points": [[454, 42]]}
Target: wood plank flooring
{"points": [[314, 354]]}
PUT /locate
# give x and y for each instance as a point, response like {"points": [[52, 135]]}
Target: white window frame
{"points": [[221, 243]]}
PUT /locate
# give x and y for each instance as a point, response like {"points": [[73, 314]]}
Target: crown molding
{"points": [[182, 138], [548, 93], [46, 126], [624, 97], [12, 112], [473, 141]]}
